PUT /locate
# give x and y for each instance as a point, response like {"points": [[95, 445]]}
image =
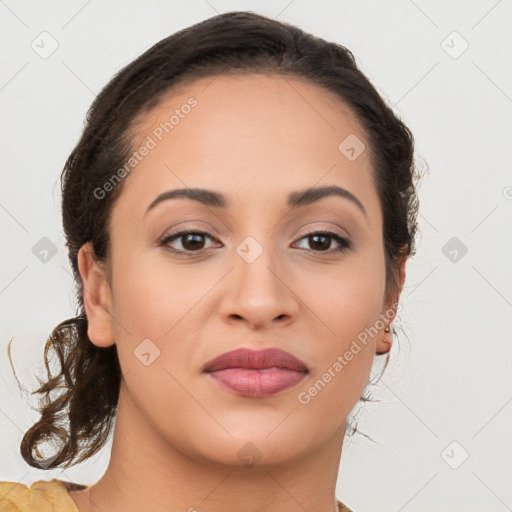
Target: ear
{"points": [[97, 298], [385, 336]]}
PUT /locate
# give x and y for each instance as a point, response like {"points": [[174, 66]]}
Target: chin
{"points": [[255, 449]]}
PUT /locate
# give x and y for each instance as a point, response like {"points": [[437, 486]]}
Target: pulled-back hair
{"points": [[79, 402]]}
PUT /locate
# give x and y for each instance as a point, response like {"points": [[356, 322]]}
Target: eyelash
{"points": [[345, 244]]}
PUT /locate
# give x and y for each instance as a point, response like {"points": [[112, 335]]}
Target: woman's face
{"points": [[254, 278]]}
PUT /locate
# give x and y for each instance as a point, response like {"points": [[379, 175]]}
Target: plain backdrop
{"points": [[442, 427]]}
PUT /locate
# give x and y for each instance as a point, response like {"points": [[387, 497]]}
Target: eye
{"points": [[190, 241], [193, 242], [322, 240]]}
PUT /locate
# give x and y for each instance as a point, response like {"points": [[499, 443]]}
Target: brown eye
{"points": [[190, 241], [320, 241]]}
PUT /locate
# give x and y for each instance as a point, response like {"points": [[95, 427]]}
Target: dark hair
{"points": [[80, 417]]}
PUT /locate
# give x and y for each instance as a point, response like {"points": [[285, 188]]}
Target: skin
{"points": [[255, 138]]}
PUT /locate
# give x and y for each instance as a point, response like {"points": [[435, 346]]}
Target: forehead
{"points": [[253, 134]]}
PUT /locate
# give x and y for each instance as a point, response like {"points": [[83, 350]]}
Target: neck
{"points": [[145, 470]]}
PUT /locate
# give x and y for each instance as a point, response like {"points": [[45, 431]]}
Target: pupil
{"points": [[325, 238], [194, 243]]}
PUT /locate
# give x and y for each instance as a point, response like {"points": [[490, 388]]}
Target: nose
{"points": [[259, 292]]}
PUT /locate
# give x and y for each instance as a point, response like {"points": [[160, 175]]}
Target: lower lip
{"points": [[257, 383]]}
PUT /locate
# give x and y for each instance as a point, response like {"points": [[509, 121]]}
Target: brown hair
{"points": [[79, 418]]}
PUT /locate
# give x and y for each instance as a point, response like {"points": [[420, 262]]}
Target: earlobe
{"points": [[97, 298], [385, 342]]}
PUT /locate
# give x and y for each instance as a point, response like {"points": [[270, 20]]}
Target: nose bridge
{"points": [[257, 292], [255, 261]]}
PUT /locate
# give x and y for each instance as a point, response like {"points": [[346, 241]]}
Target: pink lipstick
{"points": [[256, 374]]}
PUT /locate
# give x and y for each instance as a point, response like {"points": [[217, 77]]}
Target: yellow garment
{"points": [[49, 496], [42, 496]]}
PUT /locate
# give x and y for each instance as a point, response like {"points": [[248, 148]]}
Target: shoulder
{"points": [[51, 496], [41, 495]]}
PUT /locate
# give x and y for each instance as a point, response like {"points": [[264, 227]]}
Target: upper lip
{"points": [[256, 359]]}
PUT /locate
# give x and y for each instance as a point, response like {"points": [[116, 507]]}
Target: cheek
{"points": [[344, 362], [349, 306], [161, 309], [150, 295], [348, 297], [148, 304]]}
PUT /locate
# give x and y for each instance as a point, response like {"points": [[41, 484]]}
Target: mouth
{"points": [[256, 374]]}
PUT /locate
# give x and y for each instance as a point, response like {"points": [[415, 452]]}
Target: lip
{"points": [[256, 360], [256, 374]]}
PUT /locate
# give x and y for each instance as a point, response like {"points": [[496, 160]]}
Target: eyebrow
{"points": [[295, 199]]}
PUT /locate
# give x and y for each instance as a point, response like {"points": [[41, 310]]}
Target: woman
{"points": [[238, 213]]}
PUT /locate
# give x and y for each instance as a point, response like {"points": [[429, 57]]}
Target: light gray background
{"points": [[450, 380]]}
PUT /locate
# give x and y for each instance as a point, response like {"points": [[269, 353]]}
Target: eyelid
{"points": [[342, 233], [182, 232], [344, 241]]}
